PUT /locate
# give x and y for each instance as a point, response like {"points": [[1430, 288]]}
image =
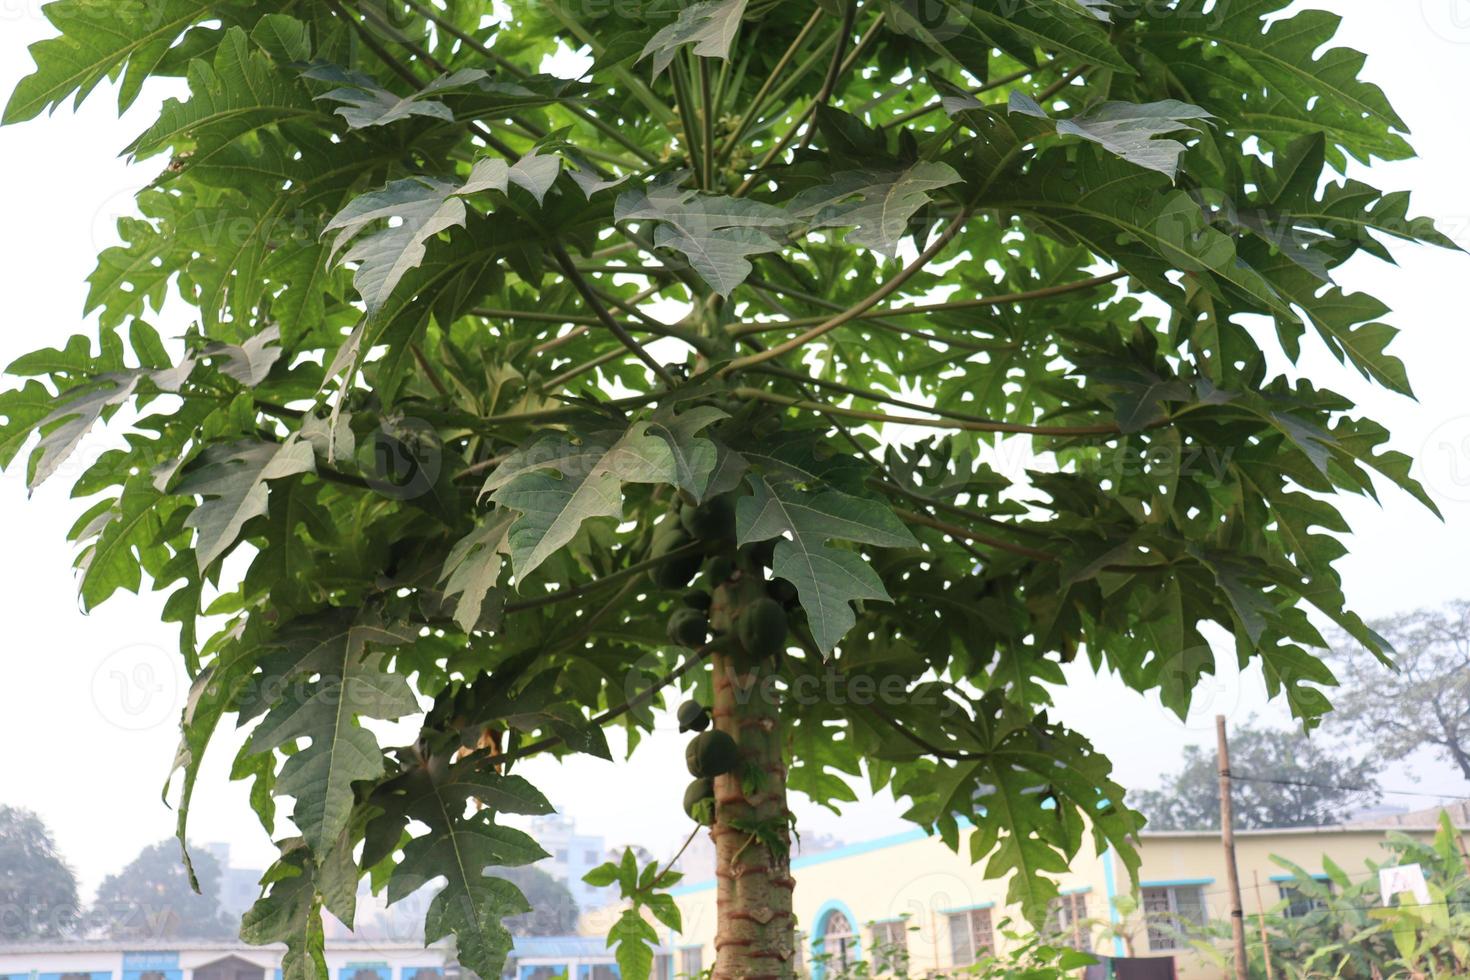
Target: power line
{"points": [[1348, 788]]}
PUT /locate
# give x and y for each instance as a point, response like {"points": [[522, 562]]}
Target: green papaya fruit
{"points": [[761, 628], [712, 753], [676, 572], [693, 716], [718, 570], [710, 521], [696, 599], [699, 800], [688, 628]]}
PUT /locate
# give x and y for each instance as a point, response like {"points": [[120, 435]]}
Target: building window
{"points": [[691, 961], [1298, 902], [971, 935], [837, 940], [543, 971], [561, 856], [663, 966], [1171, 911], [891, 946], [1066, 921], [589, 857]]}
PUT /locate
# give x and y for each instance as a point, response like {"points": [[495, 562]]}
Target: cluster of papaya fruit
{"points": [[759, 624], [710, 753]]}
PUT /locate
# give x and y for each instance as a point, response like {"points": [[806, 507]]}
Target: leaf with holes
{"points": [[827, 579], [332, 671], [709, 26]]}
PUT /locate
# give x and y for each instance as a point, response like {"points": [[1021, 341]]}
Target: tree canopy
{"points": [[553, 909], [38, 891], [1425, 702], [153, 898], [1281, 779], [931, 341]]}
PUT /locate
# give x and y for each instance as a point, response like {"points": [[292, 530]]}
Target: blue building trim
{"points": [[1283, 879], [378, 968], [1076, 890], [93, 975], [529, 970], [584, 970], [153, 960], [1176, 882], [836, 854], [1114, 919], [819, 921]]}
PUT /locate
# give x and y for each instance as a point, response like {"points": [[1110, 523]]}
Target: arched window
{"points": [[837, 940]]}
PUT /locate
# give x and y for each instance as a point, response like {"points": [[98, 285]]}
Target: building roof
{"points": [[179, 945], [586, 947], [1426, 819]]}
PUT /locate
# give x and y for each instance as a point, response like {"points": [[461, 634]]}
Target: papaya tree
{"points": [[844, 367]]}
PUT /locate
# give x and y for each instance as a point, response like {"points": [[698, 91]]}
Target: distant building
{"points": [[1399, 819], [213, 961], [238, 887], [572, 856], [910, 890], [540, 958]]}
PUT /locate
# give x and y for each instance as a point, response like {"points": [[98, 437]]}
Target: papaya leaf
{"points": [[332, 670], [710, 26], [366, 103], [716, 233], [878, 206], [585, 483], [827, 579], [290, 912], [1129, 129], [233, 480]]}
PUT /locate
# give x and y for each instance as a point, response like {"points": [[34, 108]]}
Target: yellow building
{"points": [[910, 888]]}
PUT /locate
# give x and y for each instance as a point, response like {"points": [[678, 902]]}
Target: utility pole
{"points": [[1227, 838]]}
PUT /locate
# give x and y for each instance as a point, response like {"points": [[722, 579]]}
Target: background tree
{"points": [[38, 891], [491, 365], [1425, 701], [553, 909], [153, 898], [1283, 779]]}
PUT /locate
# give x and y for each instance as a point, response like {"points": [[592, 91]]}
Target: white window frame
{"points": [[1171, 908], [977, 927], [886, 935]]}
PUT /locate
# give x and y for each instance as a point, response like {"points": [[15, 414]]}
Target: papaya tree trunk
{"points": [[755, 934]]}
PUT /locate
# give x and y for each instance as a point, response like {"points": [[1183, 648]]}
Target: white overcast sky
{"points": [[89, 703]]}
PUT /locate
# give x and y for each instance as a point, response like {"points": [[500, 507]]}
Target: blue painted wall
{"points": [[352, 970]]}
